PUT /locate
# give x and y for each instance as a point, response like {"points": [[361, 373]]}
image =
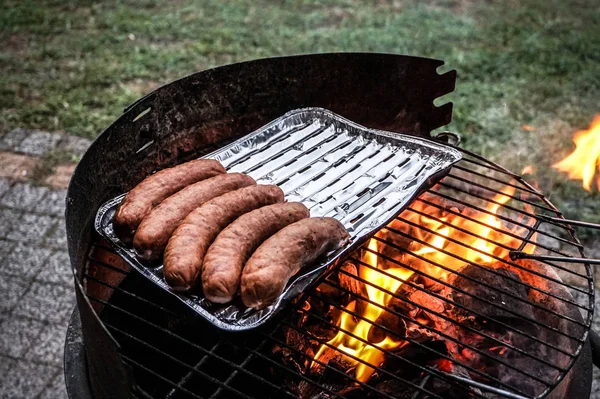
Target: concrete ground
{"points": [[35, 279]]}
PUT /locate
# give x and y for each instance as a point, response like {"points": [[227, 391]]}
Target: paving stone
{"points": [[39, 143], [48, 347], [19, 335], [57, 269], [25, 260], [61, 176], [11, 290], [12, 139], [6, 363], [58, 237], [75, 145], [48, 302], [4, 185], [32, 228], [17, 166], [24, 196], [26, 380], [8, 219], [595, 393], [57, 390], [53, 203], [6, 247]]}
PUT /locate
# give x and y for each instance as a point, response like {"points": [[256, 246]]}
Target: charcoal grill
{"points": [[523, 332]]}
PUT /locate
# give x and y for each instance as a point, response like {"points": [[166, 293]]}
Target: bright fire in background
{"points": [[445, 241], [583, 163]]}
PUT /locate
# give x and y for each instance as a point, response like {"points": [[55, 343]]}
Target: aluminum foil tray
{"points": [[362, 177]]}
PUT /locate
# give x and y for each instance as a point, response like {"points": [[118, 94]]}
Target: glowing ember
{"points": [[583, 163], [445, 236]]}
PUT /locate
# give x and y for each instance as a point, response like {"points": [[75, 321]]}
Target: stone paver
{"points": [[57, 238], [4, 185], [32, 228], [23, 196], [53, 203], [12, 290], [56, 390], [38, 143], [47, 302], [23, 334], [8, 219], [48, 347], [55, 270], [11, 140], [26, 380], [25, 260]]}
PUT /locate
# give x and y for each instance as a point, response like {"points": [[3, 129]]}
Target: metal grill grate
{"points": [[528, 347]]}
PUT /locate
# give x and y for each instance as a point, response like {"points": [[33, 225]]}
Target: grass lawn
{"points": [[74, 65]]}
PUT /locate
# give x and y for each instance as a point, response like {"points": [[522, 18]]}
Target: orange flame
{"points": [[452, 239], [583, 163], [353, 346]]}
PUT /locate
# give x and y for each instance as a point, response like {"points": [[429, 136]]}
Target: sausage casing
{"points": [[280, 257], [153, 189], [186, 248], [225, 258], [153, 233]]}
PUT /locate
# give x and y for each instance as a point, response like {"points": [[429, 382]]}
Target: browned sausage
{"points": [[280, 257], [155, 230], [231, 249], [186, 248], [155, 188]]}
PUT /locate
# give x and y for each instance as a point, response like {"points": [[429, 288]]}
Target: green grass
{"points": [[74, 65]]}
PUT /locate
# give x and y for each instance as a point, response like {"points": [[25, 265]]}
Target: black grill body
{"points": [[199, 113]]}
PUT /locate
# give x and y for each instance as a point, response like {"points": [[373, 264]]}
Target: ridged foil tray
{"points": [[362, 177]]}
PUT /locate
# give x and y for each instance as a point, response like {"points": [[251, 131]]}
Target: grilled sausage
{"points": [[186, 248], [155, 230], [280, 257], [225, 258], [153, 189]]}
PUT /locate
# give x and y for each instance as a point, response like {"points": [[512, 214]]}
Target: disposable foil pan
{"points": [[362, 177]]}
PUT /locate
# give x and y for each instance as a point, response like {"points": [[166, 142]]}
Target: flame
{"points": [[456, 239], [528, 170], [583, 163], [368, 352], [448, 237]]}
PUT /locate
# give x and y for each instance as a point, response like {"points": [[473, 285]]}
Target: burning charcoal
{"points": [[429, 302], [331, 359], [499, 296], [287, 354], [311, 391], [399, 305], [390, 321], [330, 290], [553, 305], [428, 351], [349, 281], [338, 285], [395, 389]]}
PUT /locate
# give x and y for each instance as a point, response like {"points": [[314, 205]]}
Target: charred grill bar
{"points": [[464, 316]]}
